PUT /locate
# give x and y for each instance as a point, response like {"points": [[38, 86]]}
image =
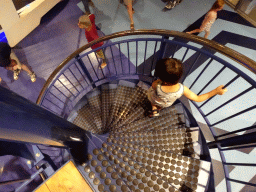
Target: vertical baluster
{"points": [[175, 51], [211, 80], [136, 57], [201, 73], [191, 67], [65, 87], [230, 100], [154, 56], [70, 82], [162, 47], [184, 55], [120, 57], [231, 81], [56, 97], [113, 59], [60, 91], [84, 68], [92, 67], [75, 77], [145, 54], [129, 61], [53, 103], [81, 74]]}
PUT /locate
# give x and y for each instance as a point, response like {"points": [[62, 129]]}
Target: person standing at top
{"points": [[9, 61], [87, 22], [209, 18]]}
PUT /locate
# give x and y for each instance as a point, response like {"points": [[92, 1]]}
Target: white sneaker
{"points": [[33, 77], [16, 74]]}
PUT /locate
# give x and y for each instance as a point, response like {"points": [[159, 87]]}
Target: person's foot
{"points": [[132, 26], [170, 5], [103, 65], [32, 77], [154, 113], [16, 74]]}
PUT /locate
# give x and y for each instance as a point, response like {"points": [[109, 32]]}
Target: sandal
{"points": [[103, 65], [154, 113], [132, 26]]}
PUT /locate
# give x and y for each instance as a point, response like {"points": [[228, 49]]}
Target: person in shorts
{"points": [[87, 22], [209, 19], [9, 61]]}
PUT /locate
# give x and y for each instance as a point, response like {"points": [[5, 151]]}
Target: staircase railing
{"points": [[132, 55]]}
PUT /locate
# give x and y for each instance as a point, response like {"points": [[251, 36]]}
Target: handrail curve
{"points": [[232, 54]]}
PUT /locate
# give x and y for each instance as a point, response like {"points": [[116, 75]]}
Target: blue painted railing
{"points": [[206, 65]]}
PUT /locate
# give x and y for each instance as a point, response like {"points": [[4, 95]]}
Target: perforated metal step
{"points": [[134, 152]]}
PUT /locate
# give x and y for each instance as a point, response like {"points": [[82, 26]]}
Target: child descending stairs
{"points": [[129, 151]]}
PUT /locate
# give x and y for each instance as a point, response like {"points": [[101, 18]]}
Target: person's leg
{"points": [[86, 6], [207, 33], [19, 66], [155, 110], [128, 4], [101, 55], [194, 31]]}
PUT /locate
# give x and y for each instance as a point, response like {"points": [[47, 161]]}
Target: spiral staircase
{"points": [[101, 115], [130, 151]]}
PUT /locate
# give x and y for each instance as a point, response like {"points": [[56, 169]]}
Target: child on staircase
{"points": [[87, 22], [166, 90]]}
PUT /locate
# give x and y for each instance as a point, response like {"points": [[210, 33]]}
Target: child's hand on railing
{"points": [[220, 90]]}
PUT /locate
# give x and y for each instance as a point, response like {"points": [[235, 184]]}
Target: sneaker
{"points": [[33, 77], [170, 5], [16, 74]]}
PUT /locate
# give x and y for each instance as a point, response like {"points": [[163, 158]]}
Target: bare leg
{"points": [[101, 55], [155, 110], [194, 31], [130, 12], [25, 68], [207, 33]]}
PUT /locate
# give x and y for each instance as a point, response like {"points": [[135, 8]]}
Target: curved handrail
{"points": [[232, 54]]}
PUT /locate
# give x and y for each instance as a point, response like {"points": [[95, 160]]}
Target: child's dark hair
{"points": [[169, 70]]}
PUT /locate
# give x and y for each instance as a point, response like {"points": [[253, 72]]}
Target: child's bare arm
{"points": [[199, 98], [154, 84]]}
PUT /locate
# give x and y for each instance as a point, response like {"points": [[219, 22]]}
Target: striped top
{"points": [[162, 99]]}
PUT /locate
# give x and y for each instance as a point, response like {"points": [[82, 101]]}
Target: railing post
{"points": [[162, 48], [82, 65]]}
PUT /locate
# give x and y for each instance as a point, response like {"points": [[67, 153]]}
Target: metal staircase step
{"points": [[132, 167], [85, 119], [95, 106], [121, 96], [179, 141], [107, 98], [135, 152], [137, 98]]}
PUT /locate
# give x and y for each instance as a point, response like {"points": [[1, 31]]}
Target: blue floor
{"points": [[58, 36]]}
